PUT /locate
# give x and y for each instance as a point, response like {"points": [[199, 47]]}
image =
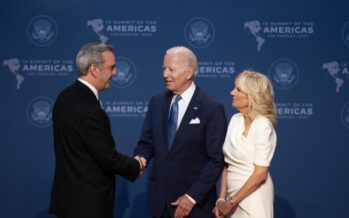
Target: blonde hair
{"points": [[260, 94]]}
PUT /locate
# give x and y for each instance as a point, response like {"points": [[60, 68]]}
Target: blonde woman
{"points": [[246, 186]]}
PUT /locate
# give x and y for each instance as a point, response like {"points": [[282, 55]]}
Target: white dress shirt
{"points": [[184, 102]]}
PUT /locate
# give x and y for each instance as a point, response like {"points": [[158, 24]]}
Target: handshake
{"points": [[143, 164]]}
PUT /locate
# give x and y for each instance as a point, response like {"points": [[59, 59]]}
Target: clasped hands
{"points": [[223, 208], [143, 162]]}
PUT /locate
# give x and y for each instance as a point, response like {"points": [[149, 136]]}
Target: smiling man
{"points": [[86, 159], [183, 134]]}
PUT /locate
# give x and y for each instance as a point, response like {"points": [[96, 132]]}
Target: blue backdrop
{"points": [[302, 46]]}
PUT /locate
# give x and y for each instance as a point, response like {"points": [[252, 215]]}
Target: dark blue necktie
{"points": [[172, 121]]}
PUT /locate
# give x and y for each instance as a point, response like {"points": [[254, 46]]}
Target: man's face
{"points": [[177, 75], [106, 71]]}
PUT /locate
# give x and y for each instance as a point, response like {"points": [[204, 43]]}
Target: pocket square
{"points": [[195, 121]]}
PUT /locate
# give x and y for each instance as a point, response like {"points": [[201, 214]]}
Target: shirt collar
{"points": [[93, 89], [188, 94]]}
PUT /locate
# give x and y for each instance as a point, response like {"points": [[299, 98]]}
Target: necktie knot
{"points": [[177, 99]]}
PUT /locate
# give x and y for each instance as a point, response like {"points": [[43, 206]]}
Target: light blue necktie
{"points": [[172, 121]]}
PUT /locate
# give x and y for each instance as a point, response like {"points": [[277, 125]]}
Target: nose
{"points": [[232, 93], [115, 71], [165, 72]]}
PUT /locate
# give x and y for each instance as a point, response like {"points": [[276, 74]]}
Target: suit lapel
{"points": [[165, 110]]}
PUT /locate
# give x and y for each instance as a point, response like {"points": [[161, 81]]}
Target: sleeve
{"points": [[145, 144], [228, 138], [100, 144], [230, 126], [265, 142]]}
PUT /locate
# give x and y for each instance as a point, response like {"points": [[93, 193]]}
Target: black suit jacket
{"points": [[86, 159], [194, 162]]}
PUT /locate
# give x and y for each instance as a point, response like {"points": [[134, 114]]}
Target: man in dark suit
{"points": [[86, 159], [187, 165]]}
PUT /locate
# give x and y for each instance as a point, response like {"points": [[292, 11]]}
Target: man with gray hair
{"points": [[86, 159], [183, 134]]}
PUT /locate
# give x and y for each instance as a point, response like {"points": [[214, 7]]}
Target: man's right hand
{"points": [[143, 164]]}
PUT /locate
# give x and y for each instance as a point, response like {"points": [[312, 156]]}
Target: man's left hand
{"points": [[184, 206]]}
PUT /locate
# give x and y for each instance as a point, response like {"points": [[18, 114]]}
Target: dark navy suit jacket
{"points": [[194, 161], [86, 159]]}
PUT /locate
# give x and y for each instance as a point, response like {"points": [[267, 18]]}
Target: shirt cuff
{"points": [[220, 199], [191, 199]]}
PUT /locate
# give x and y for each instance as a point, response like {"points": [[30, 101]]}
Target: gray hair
{"points": [[189, 54], [91, 53]]}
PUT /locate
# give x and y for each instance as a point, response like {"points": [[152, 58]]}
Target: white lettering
{"points": [[47, 68], [132, 28]]}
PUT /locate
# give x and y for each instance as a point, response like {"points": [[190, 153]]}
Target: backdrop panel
{"points": [[302, 46]]}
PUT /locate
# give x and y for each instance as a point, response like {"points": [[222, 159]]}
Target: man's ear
{"points": [[93, 70], [190, 73]]}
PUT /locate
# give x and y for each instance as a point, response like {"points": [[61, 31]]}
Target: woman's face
{"points": [[240, 99]]}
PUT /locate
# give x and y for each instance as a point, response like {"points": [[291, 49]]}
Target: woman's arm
{"points": [[257, 178], [223, 193]]}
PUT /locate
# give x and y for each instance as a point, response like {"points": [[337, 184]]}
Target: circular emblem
{"points": [[199, 32], [126, 73], [345, 33], [39, 112], [345, 115], [42, 30], [284, 73]]}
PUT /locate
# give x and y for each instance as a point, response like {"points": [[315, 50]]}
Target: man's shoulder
{"points": [[65, 93], [75, 96], [160, 96], [70, 89], [207, 98]]}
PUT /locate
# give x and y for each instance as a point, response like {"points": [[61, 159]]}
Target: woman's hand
{"points": [[226, 207], [217, 213]]}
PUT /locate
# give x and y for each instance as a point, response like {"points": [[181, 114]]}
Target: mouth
{"points": [[168, 82]]}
